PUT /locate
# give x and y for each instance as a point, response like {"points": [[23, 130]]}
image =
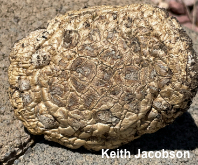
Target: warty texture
{"points": [[103, 76]]}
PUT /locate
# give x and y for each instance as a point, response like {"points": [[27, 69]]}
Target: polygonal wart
{"points": [[70, 38], [40, 58], [103, 76]]}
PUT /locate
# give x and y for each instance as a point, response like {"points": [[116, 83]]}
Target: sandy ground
{"points": [[17, 19]]}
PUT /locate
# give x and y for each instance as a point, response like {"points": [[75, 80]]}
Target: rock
{"points": [[176, 7], [196, 14], [103, 76], [182, 18], [157, 1], [190, 26], [163, 5], [187, 2]]}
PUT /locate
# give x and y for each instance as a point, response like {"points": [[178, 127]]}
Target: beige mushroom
{"points": [[103, 76]]}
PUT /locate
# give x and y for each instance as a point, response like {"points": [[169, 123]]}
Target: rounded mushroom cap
{"points": [[103, 76]]}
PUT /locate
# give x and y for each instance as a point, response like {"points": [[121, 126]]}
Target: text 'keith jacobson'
{"points": [[103, 76]]}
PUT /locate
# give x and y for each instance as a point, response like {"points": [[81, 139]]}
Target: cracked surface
{"points": [[103, 76]]}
